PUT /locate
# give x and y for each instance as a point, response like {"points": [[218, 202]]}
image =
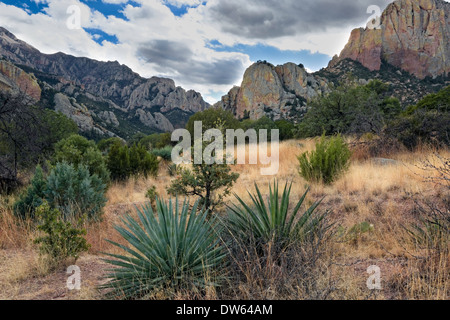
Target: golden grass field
{"points": [[381, 195]]}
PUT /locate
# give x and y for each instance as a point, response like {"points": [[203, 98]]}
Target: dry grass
{"points": [[381, 195]]}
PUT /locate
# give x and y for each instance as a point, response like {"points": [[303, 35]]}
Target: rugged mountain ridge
{"points": [[413, 35], [103, 89]]}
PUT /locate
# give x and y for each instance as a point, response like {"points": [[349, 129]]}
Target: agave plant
{"points": [[273, 221], [174, 248]]}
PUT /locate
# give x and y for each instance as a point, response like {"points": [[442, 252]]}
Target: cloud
{"points": [[265, 19]]}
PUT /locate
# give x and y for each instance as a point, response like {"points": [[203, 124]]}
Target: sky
{"points": [[204, 45]]}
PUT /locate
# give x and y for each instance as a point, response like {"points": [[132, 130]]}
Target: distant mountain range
{"points": [[410, 50], [104, 98]]}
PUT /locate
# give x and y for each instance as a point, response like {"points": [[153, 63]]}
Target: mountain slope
{"points": [[413, 36], [112, 90]]}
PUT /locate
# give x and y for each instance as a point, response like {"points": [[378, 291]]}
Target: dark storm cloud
{"points": [[169, 56], [223, 72], [265, 19], [164, 52]]}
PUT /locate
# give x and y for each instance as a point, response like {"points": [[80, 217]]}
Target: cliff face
{"points": [[279, 92], [413, 36], [109, 83], [13, 78]]}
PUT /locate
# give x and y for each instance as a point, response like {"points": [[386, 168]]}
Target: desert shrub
{"points": [[61, 240], [152, 195], [350, 109], [213, 118], [156, 141], [105, 145], [327, 162], [75, 192], [33, 197], [172, 249], [286, 129], [124, 162], [429, 127], [261, 223], [80, 151], [172, 170], [164, 153]]}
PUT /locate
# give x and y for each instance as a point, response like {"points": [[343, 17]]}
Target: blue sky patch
{"points": [[313, 61], [29, 6], [110, 9], [180, 11], [99, 36]]}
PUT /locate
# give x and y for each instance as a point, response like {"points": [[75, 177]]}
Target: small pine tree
{"points": [[61, 240], [204, 181]]}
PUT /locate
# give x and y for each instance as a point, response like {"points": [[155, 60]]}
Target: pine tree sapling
{"points": [[61, 240]]}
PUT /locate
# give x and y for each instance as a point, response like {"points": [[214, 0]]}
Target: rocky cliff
{"points": [[413, 36], [13, 78], [108, 87], [279, 92]]}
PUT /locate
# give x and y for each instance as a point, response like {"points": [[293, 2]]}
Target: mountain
{"points": [[410, 51], [413, 36], [15, 79], [104, 97], [278, 92]]}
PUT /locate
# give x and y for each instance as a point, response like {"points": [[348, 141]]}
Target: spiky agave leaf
{"points": [[171, 248], [263, 222]]}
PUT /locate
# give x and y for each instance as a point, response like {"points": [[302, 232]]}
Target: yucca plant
{"points": [[171, 249], [273, 221]]}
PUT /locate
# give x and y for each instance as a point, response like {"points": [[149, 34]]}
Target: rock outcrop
{"points": [[413, 35], [279, 92], [15, 79], [109, 84]]}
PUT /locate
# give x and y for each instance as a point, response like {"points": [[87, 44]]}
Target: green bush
{"points": [[213, 119], [61, 240], [75, 192], [164, 153], [124, 162], [152, 195], [261, 223], [33, 197], [78, 150], [325, 164], [156, 141], [170, 250]]}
